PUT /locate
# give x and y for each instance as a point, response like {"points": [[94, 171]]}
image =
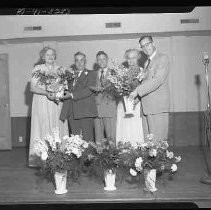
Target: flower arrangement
{"points": [[102, 156], [127, 157], [154, 155], [122, 81], [58, 155], [56, 82]]}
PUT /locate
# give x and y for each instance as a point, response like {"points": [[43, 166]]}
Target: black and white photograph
{"points": [[102, 109]]}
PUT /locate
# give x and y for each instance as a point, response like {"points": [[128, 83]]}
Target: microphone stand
{"points": [[207, 131]]}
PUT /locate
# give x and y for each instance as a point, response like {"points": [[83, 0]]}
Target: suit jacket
{"points": [[154, 90], [83, 103], [106, 105]]}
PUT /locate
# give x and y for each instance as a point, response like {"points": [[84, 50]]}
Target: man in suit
{"points": [[105, 123], [79, 107], [154, 90]]}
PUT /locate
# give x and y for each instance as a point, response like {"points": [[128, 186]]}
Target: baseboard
{"points": [[185, 129]]}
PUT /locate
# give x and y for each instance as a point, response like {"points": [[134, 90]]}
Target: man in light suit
{"points": [[154, 90], [79, 107], [105, 123]]}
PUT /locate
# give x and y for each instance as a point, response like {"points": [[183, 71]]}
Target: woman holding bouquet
{"points": [[129, 127], [45, 108]]}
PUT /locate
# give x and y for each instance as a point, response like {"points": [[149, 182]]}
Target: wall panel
{"points": [[185, 55]]}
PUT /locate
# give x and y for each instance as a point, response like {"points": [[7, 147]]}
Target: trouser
{"points": [[105, 127], [84, 126], [157, 124]]}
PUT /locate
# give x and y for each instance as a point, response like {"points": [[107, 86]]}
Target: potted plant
{"points": [[153, 157], [59, 157], [103, 161]]}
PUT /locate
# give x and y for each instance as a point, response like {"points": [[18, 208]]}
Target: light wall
{"points": [[74, 25], [185, 55]]}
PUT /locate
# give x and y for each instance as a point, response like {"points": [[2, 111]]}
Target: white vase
{"points": [[110, 177], [129, 106], [150, 179], [61, 182]]}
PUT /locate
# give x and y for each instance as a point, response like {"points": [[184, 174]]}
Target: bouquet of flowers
{"points": [[56, 82], [58, 155], [154, 155], [67, 75], [127, 157], [102, 156], [122, 81]]}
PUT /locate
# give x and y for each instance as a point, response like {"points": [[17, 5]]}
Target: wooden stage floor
{"points": [[20, 185]]}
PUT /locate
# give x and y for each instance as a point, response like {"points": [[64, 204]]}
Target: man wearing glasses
{"points": [[154, 90]]}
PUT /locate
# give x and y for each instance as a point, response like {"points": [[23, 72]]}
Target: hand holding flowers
{"points": [[56, 83], [141, 75], [96, 89], [133, 94], [50, 96]]}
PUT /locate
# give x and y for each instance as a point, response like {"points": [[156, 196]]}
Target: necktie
{"points": [[147, 63], [76, 79], [101, 75]]}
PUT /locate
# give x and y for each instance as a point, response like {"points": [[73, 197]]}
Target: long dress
{"points": [[129, 129], [44, 117]]}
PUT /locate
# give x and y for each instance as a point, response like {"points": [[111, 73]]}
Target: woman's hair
{"points": [[127, 52], [141, 57], [42, 54]]}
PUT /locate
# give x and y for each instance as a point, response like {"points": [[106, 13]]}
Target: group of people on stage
{"points": [[97, 114]]}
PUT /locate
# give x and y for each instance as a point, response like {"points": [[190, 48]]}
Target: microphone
{"points": [[205, 59]]}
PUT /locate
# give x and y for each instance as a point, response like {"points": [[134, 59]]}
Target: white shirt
{"points": [[79, 74], [104, 71], [153, 55], [150, 59]]}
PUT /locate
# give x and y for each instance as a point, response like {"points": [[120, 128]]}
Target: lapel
{"points": [[105, 76], [151, 62], [98, 76], [157, 55], [150, 70], [99, 73], [107, 73], [80, 79]]}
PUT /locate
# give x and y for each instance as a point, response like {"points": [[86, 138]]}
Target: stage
{"points": [[20, 185]]}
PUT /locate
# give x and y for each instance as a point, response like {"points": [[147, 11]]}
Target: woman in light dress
{"points": [[129, 128], [45, 112]]}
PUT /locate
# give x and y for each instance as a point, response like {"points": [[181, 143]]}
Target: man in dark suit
{"points": [[154, 90], [79, 107]]}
